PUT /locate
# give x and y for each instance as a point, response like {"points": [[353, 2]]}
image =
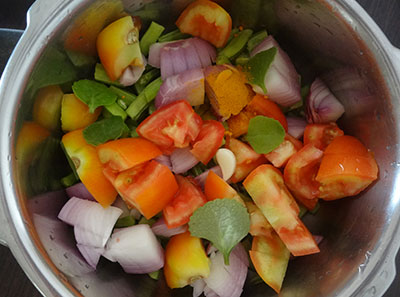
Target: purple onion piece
{"points": [[182, 160], [79, 191], [201, 178], [296, 126], [160, 228]]}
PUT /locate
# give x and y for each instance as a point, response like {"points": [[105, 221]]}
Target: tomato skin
{"points": [[188, 198], [207, 20], [300, 172], [216, 188], [246, 159], [259, 105], [175, 125], [149, 187], [347, 168], [321, 135], [208, 141], [185, 260], [266, 187], [125, 153]]}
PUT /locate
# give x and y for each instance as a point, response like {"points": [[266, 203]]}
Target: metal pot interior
{"points": [[319, 40]]}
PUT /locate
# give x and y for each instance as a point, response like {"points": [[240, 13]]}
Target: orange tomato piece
{"points": [[246, 159], [185, 260], [320, 135], [281, 155], [89, 167], [347, 168], [216, 188], [149, 187], [125, 153], [75, 114], [208, 20]]}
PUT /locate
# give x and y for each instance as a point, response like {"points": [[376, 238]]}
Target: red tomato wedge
{"points": [[175, 125], [281, 155], [216, 188], [300, 172], [207, 20], [246, 159], [270, 258], [188, 198], [149, 187], [267, 189], [259, 226], [208, 141], [320, 135], [259, 105], [346, 169], [125, 153]]}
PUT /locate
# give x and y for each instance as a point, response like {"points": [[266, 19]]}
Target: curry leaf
{"points": [[224, 222], [265, 134], [93, 93], [257, 67], [104, 130]]}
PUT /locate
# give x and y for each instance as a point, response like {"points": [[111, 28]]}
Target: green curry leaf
{"points": [[104, 130]]}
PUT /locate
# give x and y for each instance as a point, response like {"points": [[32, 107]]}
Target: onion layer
{"points": [[92, 223], [322, 105], [201, 178], [132, 74], [136, 249], [282, 80], [181, 55], [91, 254], [160, 228], [296, 126], [187, 85], [182, 160], [80, 191]]}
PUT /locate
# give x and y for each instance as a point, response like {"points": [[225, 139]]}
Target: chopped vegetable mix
{"points": [[200, 145]]}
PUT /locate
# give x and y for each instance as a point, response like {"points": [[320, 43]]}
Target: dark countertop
{"points": [[12, 15]]}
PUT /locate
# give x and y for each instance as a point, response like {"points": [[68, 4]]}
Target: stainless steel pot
{"points": [[362, 234]]}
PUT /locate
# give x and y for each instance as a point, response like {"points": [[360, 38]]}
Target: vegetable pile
{"points": [[195, 150]]}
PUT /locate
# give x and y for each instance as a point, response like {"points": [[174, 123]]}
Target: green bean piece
{"points": [[100, 74], [125, 98], [172, 36], [236, 45], [256, 40], [145, 79], [151, 36], [69, 180]]}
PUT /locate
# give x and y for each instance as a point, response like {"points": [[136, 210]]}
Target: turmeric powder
{"points": [[227, 90]]}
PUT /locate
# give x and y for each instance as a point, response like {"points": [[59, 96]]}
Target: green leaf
{"points": [[265, 134], [104, 130], [94, 94], [257, 67], [224, 222]]}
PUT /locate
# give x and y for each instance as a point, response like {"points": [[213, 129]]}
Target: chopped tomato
{"points": [[320, 135], [125, 153], [175, 125], [208, 20], [281, 155], [216, 188], [118, 46], [267, 189], [259, 226], [346, 169], [300, 173], [208, 141], [246, 159], [185, 260], [149, 187], [259, 105], [88, 167], [270, 258], [188, 198]]}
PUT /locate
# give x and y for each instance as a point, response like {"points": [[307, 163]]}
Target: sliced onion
{"points": [[188, 85], [120, 203], [296, 126], [48, 204], [181, 55], [201, 178], [92, 223], [160, 228], [91, 254], [182, 160], [132, 74], [322, 105], [228, 280], [80, 191], [165, 160], [136, 249], [198, 287], [209, 292], [57, 239], [282, 80]]}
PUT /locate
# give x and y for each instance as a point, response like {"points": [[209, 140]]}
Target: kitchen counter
{"points": [[12, 15]]}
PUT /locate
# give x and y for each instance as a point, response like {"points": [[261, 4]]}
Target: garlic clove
{"points": [[227, 161]]}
